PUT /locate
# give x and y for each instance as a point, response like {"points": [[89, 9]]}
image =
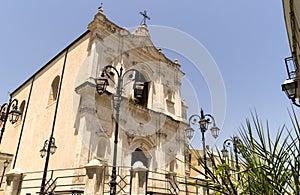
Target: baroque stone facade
{"points": [[61, 100]]}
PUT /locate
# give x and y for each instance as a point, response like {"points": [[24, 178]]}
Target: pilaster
{"points": [[95, 177], [14, 181], [139, 173], [88, 126]]}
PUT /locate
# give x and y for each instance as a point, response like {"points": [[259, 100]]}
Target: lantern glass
{"points": [[237, 142], [2, 117], [14, 115], [189, 133], [53, 148], [43, 152], [289, 87], [5, 163], [101, 85], [225, 153], [215, 131], [203, 124]]}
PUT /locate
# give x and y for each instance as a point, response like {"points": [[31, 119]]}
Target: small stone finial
{"points": [[176, 61], [146, 17]]}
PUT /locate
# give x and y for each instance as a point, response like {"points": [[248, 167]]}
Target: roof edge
{"points": [[50, 61]]}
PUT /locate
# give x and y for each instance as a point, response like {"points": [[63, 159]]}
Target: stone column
{"points": [[14, 180], [95, 177]]}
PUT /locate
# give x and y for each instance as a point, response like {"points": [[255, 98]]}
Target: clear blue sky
{"points": [[247, 40]]}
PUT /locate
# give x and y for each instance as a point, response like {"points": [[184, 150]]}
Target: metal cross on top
{"points": [[144, 14]]}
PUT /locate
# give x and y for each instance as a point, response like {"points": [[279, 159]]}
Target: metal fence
{"points": [[129, 181], [61, 181], [151, 182]]}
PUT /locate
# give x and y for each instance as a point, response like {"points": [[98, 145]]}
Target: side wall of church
{"points": [[40, 114]]}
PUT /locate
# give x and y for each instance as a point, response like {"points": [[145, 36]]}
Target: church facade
{"points": [[72, 123]]}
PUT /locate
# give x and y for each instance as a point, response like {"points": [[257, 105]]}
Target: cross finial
{"points": [[144, 14], [100, 9]]}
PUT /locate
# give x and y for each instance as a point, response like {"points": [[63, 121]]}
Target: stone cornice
{"points": [[87, 83]]}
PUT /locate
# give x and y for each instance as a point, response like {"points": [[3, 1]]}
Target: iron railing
{"points": [[72, 181], [154, 182], [61, 181]]}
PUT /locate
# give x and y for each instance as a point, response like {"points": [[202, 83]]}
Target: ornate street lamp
{"points": [[189, 133], [203, 121], [48, 148], [290, 87], [9, 111], [101, 84], [53, 148], [5, 165], [234, 143]]}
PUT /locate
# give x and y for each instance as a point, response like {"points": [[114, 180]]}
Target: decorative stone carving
{"points": [[161, 134], [130, 137]]}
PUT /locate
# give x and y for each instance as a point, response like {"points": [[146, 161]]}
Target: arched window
{"points": [[54, 90]]}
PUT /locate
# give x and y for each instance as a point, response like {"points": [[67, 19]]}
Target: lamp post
{"points": [[48, 148], [101, 84], [203, 121], [234, 142], [5, 165], [8, 111]]}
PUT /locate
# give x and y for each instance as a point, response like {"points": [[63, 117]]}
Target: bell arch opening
{"points": [[139, 155]]}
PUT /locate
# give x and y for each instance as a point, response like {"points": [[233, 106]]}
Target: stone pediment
{"points": [[136, 43]]}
